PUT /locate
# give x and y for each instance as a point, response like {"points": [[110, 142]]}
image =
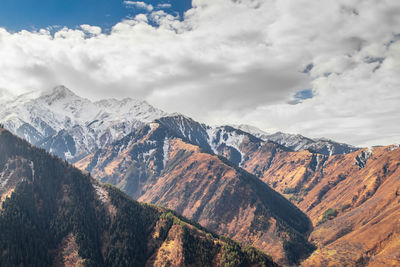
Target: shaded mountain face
{"points": [[353, 200], [155, 165], [70, 126], [54, 215]]}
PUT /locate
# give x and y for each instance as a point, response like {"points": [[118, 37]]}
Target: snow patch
{"points": [[148, 153], [165, 151], [210, 136], [320, 158], [68, 155], [330, 149], [228, 138]]}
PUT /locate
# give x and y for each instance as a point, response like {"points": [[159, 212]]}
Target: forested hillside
{"points": [[53, 214]]}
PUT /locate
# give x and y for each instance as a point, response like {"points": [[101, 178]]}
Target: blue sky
{"points": [[37, 14]]}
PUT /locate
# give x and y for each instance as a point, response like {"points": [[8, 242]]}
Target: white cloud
{"points": [[138, 4], [164, 5], [234, 62], [92, 30]]}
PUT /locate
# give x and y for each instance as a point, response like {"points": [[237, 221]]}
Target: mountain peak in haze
{"points": [[57, 93], [59, 89], [5, 95]]}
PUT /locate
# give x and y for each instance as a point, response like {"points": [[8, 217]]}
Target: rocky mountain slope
{"points": [[356, 208], [54, 215], [155, 165]]}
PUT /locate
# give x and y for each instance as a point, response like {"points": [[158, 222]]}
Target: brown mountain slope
{"points": [[223, 200], [367, 227], [154, 166], [58, 216], [353, 200]]}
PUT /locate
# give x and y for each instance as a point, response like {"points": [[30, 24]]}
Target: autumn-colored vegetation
{"points": [[205, 188], [353, 201], [56, 215]]}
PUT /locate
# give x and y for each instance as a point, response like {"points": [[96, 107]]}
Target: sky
{"points": [[318, 68], [55, 14]]}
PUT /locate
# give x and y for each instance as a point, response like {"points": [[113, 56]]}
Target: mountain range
{"points": [[54, 215], [72, 127], [156, 165], [285, 194]]}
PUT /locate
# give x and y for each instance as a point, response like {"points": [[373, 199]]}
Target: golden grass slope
{"points": [[362, 187]]}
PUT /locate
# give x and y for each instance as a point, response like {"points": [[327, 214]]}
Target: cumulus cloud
{"points": [[138, 4], [307, 66], [92, 30]]}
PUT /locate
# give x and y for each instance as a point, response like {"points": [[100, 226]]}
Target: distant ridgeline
{"points": [[53, 214]]}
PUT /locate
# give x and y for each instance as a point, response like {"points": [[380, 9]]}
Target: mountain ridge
{"points": [[155, 165], [52, 118], [56, 215], [298, 142], [149, 159], [39, 117]]}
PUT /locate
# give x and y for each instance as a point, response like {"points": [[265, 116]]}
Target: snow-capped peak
{"points": [[250, 129], [299, 142], [71, 126], [59, 90], [58, 93]]}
